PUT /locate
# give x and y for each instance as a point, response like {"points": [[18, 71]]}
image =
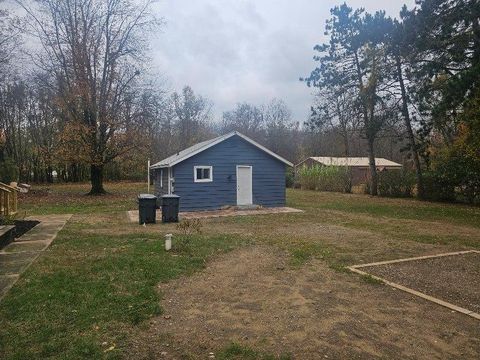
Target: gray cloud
{"points": [[233, 51]]}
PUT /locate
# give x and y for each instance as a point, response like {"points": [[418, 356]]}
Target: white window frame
{"points": [[161, 178], [210, 179]]}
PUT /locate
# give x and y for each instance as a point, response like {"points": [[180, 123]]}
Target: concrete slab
{"points": [[20, 254], [16, 256], [61, 218], [13, 268], [38, 245], [132, 215]]}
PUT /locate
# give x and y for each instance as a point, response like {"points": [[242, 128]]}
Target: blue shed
{"points": [[230, 170]]}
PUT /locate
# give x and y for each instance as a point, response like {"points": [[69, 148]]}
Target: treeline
{"points": [[37, 143], [90, 108], [419, 73]]}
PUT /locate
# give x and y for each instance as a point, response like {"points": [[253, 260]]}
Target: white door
{"points": [[244, 185]]}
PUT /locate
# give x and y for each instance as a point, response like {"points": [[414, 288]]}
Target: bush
{"points": [[395, 183], [8, 171], [455, 175], [325, 178], [438, 187], [190, 226]]}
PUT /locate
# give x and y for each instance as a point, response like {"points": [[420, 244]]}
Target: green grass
{"points": [[398, 230], [236, 351], [409, 209], [96, 286], [369, 279], [86, 290], [72, 199], [301, 253]]}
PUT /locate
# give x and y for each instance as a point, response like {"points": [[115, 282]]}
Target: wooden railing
{"points": [[8, 200]]}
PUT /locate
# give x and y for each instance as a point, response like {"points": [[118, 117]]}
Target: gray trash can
{"points": [[147, 205], [170, 207]]}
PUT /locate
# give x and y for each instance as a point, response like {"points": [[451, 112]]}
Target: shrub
{"points": [[307, 177], [190, 226], [438, 187], [396, 183], [325, 178], [289, 178], [455, 175]]}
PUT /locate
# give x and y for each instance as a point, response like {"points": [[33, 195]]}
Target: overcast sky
{"points": [[245, 50]]}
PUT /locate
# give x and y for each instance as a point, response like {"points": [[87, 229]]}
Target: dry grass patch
{"points": [[253, 297]]}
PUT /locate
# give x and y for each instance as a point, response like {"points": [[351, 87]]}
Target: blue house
{"points": [[230, 170]]}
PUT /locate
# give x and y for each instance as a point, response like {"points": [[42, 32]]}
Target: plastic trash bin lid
{"points": [[146, 196]]}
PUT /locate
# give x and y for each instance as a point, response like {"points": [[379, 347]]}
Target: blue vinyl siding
{"points": [[268, 177]]}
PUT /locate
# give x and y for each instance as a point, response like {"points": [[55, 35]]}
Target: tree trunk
{"points": [[373, 169], [410, 135], [348, 184], [49, 174], [96, 180]]}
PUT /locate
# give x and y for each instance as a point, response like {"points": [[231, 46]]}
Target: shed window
{"points": [[203, 173]]}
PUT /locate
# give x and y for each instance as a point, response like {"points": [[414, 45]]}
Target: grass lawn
{"points": [[94, 293]]}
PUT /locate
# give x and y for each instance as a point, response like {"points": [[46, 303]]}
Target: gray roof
{"points": [[197, 148]]}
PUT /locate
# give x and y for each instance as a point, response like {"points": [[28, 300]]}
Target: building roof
{"points": [[198, 148], [352, 161]]}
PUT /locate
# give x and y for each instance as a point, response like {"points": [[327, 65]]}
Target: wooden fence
{"points": [[8, 200]]}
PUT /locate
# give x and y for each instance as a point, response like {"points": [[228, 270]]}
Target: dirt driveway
{"points": [[253, 297]]}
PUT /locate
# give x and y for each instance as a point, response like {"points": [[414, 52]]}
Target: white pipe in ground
{"points": [[168, 242]]}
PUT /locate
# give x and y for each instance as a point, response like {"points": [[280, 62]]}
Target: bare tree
{"points": [[94, 51], [270, 124], [281, 132], [191, 116], [246, 118], [8, 43], [338, 110], [9, 39]]}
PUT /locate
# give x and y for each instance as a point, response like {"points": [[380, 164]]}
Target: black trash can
{"points": [[147, 206], [170, 206]]}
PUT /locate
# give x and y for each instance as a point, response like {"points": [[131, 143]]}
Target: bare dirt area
{"points": [[253, 297], [454, 279]]}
